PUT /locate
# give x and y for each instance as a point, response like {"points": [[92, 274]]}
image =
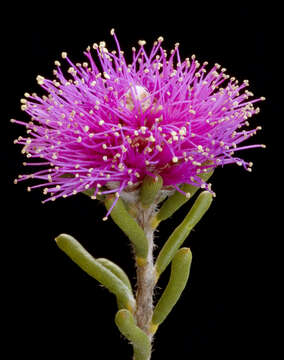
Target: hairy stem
{"points": [[144, 295], [145, 276]]}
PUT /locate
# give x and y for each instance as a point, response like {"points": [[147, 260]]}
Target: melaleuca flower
{"points": [[105, 125]]}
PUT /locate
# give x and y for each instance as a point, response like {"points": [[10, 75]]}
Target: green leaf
{"points": [[174, 202], [141, 344], [98, 271], [150, 189], [116, 270], [89, 192], [129, 226], [176, 239], [179, 275]]}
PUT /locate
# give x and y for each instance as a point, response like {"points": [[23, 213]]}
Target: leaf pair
{"points": [[116, 281], [104, 271]]}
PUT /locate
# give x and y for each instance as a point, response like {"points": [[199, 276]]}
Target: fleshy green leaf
{"points": [[149, 189], [179, 275], [174, 202], [129, 226], [91, 266], [176, 239], [91, 192], [116, 270], [139, 340]]}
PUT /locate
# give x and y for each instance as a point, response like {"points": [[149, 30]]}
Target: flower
{"points": [[105, 125]]}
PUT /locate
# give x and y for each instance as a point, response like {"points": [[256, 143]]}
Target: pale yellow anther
{"points": [[40, 79], [135, 94], [143, 129], [106, 75], [151, 138]]}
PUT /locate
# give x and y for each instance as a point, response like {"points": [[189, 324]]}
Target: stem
{"points": [[145, 275]]}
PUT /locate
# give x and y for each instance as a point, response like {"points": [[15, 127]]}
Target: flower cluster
{"points": [[105, 125]]}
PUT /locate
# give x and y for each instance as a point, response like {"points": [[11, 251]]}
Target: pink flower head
{"points": [[105, 125]]}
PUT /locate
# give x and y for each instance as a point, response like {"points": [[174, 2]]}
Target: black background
{"points": [[228, 308]]}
